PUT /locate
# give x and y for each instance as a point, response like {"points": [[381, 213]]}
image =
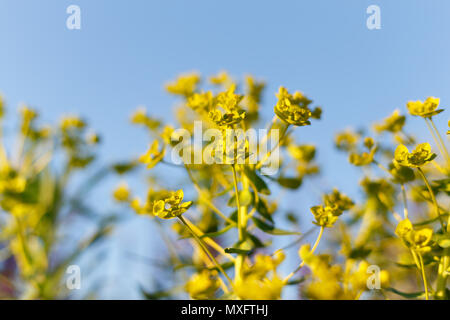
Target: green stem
{"points": [[433, 198], [205, 248], [436, 141], [204, 200], [241, 226], [405, 204], [424, 277], [311, 252], [440, 140]]}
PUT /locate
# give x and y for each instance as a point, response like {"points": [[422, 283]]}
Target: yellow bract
{"points": [[394, 123], [256, 283], [203, 285], [418, 240], [293, 109], [122, 193], [153, 155], [425, 109], [417, 158], [184, 85]]}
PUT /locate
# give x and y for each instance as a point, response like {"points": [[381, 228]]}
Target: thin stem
{"points": [[311, 252], [267, 155], [209, 241], [203, 199], [434, 137], [203, 246], [240, 259], [405, 204], [433, 198], [424, 277], [440, 140]]}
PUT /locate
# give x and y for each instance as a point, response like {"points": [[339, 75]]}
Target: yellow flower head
{"points": [[293, 109], [221, 79], [419, 240], [419, 157], [425, 109], [203, 285], [304, 153], [140, 117], [165, 204], [338, 199], [184, 85], [325, 216], [201, 101], [394, 123], [153, 155], [122, 193], [346, 140], [362, 159], [71, 122]]}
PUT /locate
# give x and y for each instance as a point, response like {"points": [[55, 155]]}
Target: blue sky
{"points": [[126, 51]]}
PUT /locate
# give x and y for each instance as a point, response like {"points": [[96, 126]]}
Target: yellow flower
{"points": [[140, 117], [293, 109], [346, 140], [229, 100], [153, 155], [184, 85], [222, 78], [325, 216], [203, 285], [404, 228], [362, 159], [419, 157], [394, 123], [254, 288], [162, 204], [302, 152], [425, 109], [92, 138], [339, 200], [422, 240], [70, 122], [201, 101], [122, 193], [418, 240]]}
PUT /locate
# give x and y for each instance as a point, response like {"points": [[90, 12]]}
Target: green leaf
{"points": [[295, 281], [225, 266], [290, 183], [217, 233], [270, 229], [236, 250], [245, 198], [261, 207], [255, 240], [425, 222], [359, 253], [232, 217], [405, 294], [259, 183], [443, 240]]}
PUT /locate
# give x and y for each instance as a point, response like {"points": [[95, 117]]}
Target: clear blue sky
{"points": [[126, 50]]}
